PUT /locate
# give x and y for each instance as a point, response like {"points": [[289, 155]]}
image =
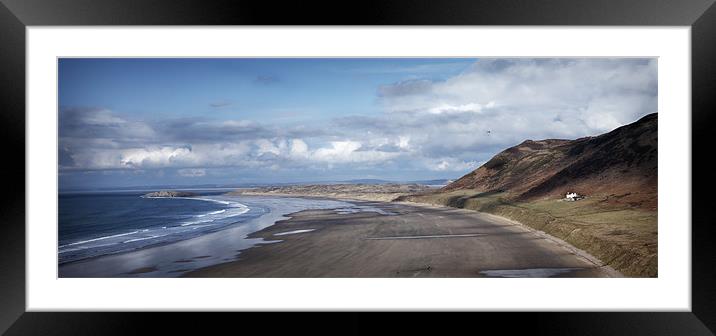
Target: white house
{"points": [[573, 196]]}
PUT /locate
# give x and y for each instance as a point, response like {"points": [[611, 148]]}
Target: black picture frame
{"points": [[700, 15]]}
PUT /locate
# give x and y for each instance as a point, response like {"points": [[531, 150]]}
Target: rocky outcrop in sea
{"points": [[170, 193]]}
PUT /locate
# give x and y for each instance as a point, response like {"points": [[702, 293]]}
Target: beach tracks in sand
{"points": [[414, 241]]}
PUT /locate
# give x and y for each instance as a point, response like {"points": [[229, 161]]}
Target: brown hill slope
{"points": [[621, 165]]}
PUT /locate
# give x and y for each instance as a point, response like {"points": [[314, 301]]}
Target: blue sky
{"points": [[133, 122], [260, 89]]}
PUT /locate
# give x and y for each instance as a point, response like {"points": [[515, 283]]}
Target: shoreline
{"points": [[166, 260], [321, 243], [272, 245], [202, 198]]}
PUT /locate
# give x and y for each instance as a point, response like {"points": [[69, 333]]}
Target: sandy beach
{"points": [[405, 240], [171, 260]]}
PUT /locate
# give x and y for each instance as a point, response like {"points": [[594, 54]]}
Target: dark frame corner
{"points": [[700, 15]]}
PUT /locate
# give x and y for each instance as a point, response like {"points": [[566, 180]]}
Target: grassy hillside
{"points": [[621, 163], [617, 171]]}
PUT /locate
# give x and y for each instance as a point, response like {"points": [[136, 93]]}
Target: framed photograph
{"points": [[469, 157]]}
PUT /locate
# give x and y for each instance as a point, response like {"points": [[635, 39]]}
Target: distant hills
{"points": [[621, 165], [434, 183]]}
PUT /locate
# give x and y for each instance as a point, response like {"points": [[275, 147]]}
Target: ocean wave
{"points": [[197, 199], [189, 223], [196, 222], [208, 219], [80, 248], [211, 213], [100, 238], [234, 209], [142, 238]]}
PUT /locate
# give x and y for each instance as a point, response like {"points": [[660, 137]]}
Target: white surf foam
{"points": [[100, 238], [141, 238], [211, 213], [234, 209]]}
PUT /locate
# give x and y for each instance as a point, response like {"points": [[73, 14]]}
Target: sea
{"points": [[92, 224], [113, 233]]}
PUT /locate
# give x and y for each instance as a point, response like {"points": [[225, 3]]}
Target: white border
{"points": [[670, 291]]}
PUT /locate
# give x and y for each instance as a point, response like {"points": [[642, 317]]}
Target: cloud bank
{"points": [[448, 126]]}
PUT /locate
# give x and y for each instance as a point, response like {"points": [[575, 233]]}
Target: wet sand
{"points": [[174, 259], [405, 241]]}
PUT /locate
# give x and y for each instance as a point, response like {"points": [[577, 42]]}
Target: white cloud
{"points": [[96, 124], [338, 151], [298, 148], [346, 152], [192, 172], [527, 90], [404, 142], [451, 164], [155, 157], [424, 125], [266, 146], [469, 107]]}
